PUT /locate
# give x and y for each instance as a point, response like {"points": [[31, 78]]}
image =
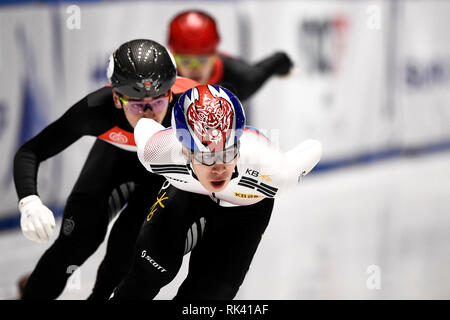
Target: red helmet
{"points": [[193, 32]]}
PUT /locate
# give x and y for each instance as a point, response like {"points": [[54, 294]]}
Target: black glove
{"points": [[284, 64]]}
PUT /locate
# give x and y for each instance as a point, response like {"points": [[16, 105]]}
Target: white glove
{"points": [[309, 153], [36, 220], [303, 158]]}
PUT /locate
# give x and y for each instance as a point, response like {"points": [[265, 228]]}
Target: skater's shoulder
{"points": [[100, 97], [254, 138]]}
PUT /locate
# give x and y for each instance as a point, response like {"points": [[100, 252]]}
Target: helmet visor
{"points": [[190, 61], [223, 156], [139, 106]]}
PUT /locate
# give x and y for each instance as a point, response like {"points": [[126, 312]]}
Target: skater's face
{"points": [[136, 109], [195, 67], [215, 177]]}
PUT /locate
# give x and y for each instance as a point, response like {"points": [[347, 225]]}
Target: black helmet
{"points": [[141, 68]]}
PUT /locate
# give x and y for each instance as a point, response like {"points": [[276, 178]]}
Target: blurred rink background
{"points": [[372, 82]]}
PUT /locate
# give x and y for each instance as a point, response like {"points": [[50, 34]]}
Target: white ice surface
{"points": [[322, 238]]}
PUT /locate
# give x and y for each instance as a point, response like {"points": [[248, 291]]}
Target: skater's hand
{"points": [[303, 158], [284, 64], [36, 220]]}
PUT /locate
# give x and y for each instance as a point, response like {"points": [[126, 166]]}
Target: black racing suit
{"points": [[226, 244], [245, 79], [86, 216]]}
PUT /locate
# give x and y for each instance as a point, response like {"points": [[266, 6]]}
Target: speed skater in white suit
{"points": [[222, 178]]}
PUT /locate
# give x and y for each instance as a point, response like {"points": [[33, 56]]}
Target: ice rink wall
{"points": [[372, 78]]}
